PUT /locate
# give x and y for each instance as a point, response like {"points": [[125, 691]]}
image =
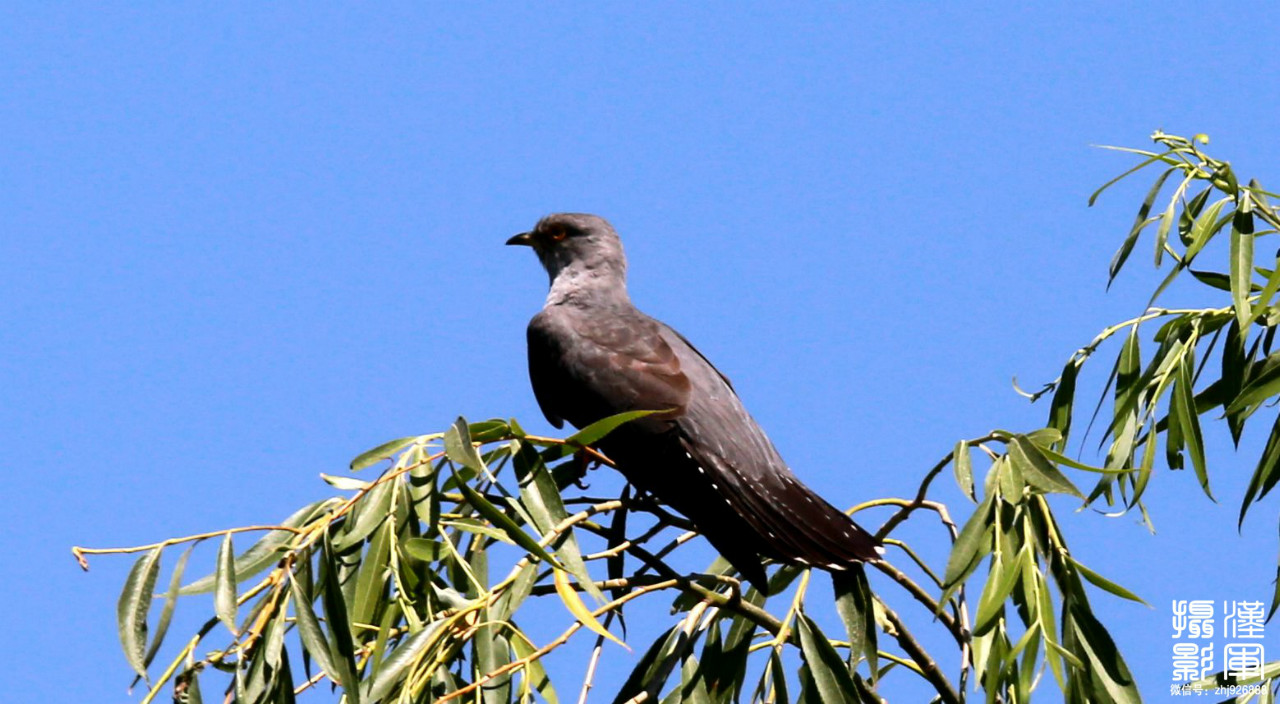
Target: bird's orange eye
{"points": [[559, 235]]}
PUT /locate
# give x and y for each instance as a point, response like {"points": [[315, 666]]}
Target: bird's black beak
{"points": [[524, 238]]}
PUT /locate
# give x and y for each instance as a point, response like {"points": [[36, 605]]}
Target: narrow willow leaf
{"points": [[504, 523], [1166, 223], [170, 601], [132, 608], [594, 432], [309, 631], [1038, 471], [489, 430], [459, 449], [1242, 273], [693, 688], [534, 674], [1261, 386], [1203, 229], [1107, 585], [342, 483], [645, 671], [1139, 222], [372, 578], [224, 593], [962, 463], [856, 606], [1233, 370], [424, 549], [515, 594], [830, 675], [395, 668], [1001, 579], [579, 610], [264, 553], [1268, 291], [541, 497], [425, 496], [971, 544], [1189, 422], [1215, 279], [369, 512], [1107, 667], [1151, 158], [341, 643], [492, 652], [1064, 397], [1265, 475], [385, 451], [478, 527]]}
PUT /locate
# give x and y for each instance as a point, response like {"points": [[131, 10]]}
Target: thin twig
{"points": [[958, 631], [80, 552], [921, 494], [912, 647]]}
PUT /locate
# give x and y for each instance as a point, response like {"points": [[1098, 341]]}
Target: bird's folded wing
{"points": [[584, 370]]}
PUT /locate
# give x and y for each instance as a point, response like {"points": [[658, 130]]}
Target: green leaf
{"points": [[594, 432], [309, 630], [372, 578], [514, 595], [856, 607], [394, 668], [341, 644], [504, 523], [646, 671], [1203, 229], [971, 544], [830, 675], [385, 451], [1038, 471], [170, 601], [425, 497], [458, 447], [489, 430], [264, 553], [1242, 273], [1183, 404], [1152, 158], [1107, 585], [1139, 223], [1265, 475], [1214, 279], [1264, 384], [534, 673], [962, 463], [224, 593], [1063, 400], [132, 608], [369, 512], [1107, 668], [424, 549], [1003, 575], [541, 497]]}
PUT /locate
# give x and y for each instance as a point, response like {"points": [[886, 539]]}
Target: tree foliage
{"points": [[412, 585]]}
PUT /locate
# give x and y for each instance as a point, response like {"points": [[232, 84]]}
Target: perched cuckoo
{"points": [[592, 354]]}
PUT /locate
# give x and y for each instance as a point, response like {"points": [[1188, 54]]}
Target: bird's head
{"points": [[583, 247]]}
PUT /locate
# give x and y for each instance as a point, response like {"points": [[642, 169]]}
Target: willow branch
{"points": [[912, 647]]}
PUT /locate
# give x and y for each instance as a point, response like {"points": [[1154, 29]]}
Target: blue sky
{"points": [[245, 243]]}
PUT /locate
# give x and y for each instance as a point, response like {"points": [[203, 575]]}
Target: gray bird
{"points": [[592, 354]]}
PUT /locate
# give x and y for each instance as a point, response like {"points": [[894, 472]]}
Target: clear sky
{"points": [[244, 243]]}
